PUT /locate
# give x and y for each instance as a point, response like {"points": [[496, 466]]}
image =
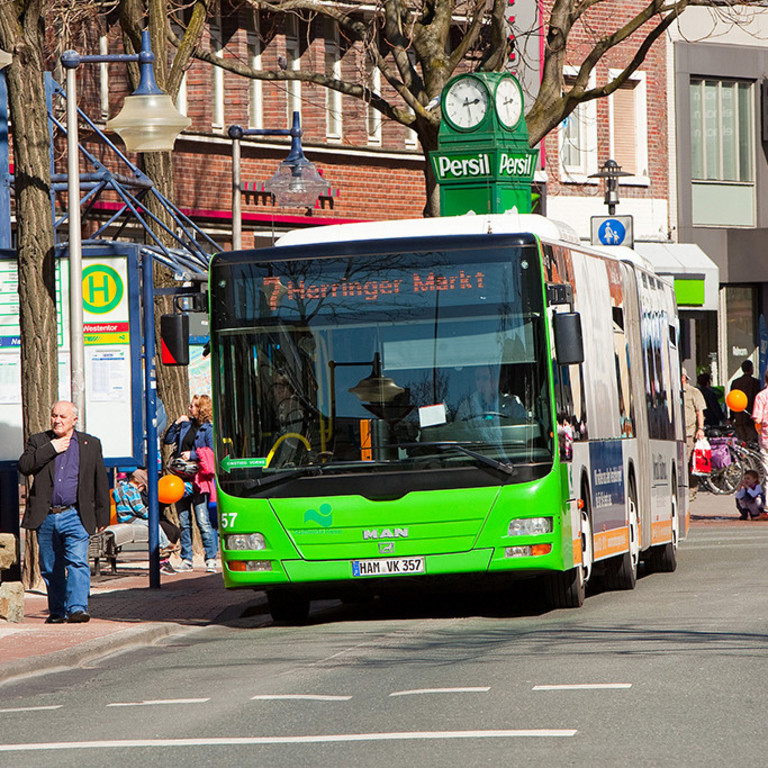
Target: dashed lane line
{"points": [[419, 691], [269, 740], [298, 697], [582, 687], [30, 709], [156, 702]]}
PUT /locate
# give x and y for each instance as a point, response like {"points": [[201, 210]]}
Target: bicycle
{"points": [[730, 460]]}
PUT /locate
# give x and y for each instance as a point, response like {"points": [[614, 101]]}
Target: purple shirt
{"points": [[65, 472]]}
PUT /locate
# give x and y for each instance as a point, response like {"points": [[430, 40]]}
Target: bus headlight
{"points": [[530, 526], [240, 541]]}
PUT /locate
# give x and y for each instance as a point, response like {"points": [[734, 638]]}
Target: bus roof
{"points": [[469, 224]]}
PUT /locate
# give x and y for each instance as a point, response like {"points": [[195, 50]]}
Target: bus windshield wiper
{"points": [[284, 477], [502, 466]]}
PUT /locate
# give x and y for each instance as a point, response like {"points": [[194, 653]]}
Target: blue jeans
{"points": [[64, 564], [198, 502]]}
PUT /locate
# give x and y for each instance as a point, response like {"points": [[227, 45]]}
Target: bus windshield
{"points": [[378, 363]]}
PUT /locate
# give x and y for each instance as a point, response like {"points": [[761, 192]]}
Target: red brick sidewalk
{"points": [[124, 611]]}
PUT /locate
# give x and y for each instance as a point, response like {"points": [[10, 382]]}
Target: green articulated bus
{"points": [[452, 403]]}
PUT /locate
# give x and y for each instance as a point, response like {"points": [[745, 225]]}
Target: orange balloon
{"points": [[169, 489], [736, 400]]}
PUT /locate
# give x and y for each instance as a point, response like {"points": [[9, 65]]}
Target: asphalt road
{"points": [[673, 673]]}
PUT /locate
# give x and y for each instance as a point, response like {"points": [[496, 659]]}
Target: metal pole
{"points": [[150, 401], [237, 203], [76, 350]]}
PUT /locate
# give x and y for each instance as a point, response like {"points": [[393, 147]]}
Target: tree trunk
{"points": [[427, 134], [21, 34]]}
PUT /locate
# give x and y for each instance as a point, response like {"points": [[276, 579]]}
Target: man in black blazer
{"points": [[68, 502]]}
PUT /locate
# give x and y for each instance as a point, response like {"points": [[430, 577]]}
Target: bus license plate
{"points": [[395, 566]]}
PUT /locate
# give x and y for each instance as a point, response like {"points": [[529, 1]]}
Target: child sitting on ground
{"points": [[750, 498]]}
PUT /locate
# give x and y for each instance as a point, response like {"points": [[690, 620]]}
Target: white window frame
{"points": [[640, 91], [586, 114], [104, 78], [293, 57], [373, 121], [333, 99], [255, 91], [217, 74]]}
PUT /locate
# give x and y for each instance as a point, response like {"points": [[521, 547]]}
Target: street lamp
{"points": [[148, 122], [611, 172], [296, 182]]}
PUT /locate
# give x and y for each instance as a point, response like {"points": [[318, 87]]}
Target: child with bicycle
{"points": [[750, 498]]}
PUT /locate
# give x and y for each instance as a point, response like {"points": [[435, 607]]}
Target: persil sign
{"points": [[484, 165]]}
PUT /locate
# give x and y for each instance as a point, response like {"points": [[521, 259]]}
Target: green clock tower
{"points": [[483, 162]]}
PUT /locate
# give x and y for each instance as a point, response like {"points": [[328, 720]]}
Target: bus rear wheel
{"points": [[288, 606], [663, 557], [621, 572]]}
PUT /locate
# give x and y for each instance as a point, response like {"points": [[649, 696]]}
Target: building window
{"points": [[721, 130], [373, 116], [722, 155], [628, 112], [255, 94], [293, 59], [217, 75], [578, 138], [333, 101]]}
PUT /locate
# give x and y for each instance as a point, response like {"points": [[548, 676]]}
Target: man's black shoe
{"points": [[79, 617], [55, 619]]}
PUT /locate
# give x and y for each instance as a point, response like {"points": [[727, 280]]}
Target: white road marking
{"points": [[582, 687], [265, 740], [154, 702], [418, 691], [30, 709], [298, 697]]}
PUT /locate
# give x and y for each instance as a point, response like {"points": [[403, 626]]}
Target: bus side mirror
{"points": [[569, 343], [174, 339]]}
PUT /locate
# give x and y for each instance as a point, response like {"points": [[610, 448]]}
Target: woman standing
{"points": [[190, 434]]}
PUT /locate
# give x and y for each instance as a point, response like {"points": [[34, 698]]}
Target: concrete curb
{"points": [[79, 654], [115, 642]]}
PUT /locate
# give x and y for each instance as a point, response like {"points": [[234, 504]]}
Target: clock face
{"points": [[509, 102], [466, 103]]}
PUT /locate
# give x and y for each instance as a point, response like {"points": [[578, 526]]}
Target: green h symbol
{"points": [[94, 289]]}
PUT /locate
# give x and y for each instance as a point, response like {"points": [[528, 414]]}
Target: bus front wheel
{"points": [[568, 589], [565, 589], [288, 606]]}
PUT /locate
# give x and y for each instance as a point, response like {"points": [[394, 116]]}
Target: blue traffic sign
{"points": [[611, 232]]}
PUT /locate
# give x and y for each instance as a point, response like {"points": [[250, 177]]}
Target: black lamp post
{"points": [[611, 172], [296, 182]]}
